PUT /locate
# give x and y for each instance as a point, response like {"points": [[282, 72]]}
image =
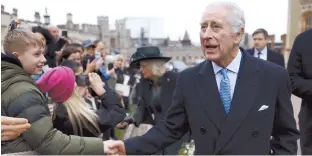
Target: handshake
{"points": [[114, 147]]}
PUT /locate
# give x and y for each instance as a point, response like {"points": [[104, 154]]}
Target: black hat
{"points": [[146, 53]]}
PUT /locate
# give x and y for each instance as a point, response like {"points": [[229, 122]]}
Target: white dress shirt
{"points": [[263, 53], [232, 73]]}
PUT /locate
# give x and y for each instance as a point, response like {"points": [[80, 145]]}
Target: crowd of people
{"points": [[69, 88], [60, 96]]}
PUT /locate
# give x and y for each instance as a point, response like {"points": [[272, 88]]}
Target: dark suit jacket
{"points": [[272, 57], [197, 106], [144, 110], [300, 72]]}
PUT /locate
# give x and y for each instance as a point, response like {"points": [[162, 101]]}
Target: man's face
{"points": [[216, 35], [100, 47], [259, 41], [91, 50], [55, 32], [32, 60]]}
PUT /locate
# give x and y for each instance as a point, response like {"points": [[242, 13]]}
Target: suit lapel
{"points": [[252, 51], [244, 98], [209, 95], [270, 57]]}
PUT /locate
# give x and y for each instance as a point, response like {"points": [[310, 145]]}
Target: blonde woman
{"points": [[156, 90], [72, 115]]}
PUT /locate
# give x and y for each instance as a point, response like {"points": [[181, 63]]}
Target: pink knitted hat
{"points": [[59, 83]]}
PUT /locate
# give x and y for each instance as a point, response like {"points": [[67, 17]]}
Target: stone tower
{"points": [[15, 13], [186, 39], [104, 32], [123, 34], [46, 17], [37, 17], [69, 22]]}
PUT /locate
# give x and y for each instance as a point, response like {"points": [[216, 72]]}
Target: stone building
{"points": [[299, 20], [114, 39]]}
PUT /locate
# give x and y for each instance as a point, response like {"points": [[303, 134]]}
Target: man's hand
{"points": [[97, 84], [117, 145], [98, 63], [122, 125], [58, 53], [107, 150], [90, 67], [11, 128]]}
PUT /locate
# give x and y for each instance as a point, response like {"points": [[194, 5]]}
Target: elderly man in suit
{"points": [[300, 73], [260, 50], [232, 103]]}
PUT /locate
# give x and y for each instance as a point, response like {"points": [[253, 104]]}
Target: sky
{"points": [[178, 15]]}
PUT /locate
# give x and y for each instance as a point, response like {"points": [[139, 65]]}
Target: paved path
{"points": [[296, 104]]}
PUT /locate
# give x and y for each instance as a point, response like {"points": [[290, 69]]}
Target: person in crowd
{"points": [[100, 48], [233, 103], [91, 64], [101, 51], [72, 115], [78, 47], [50, 44], [20, 98], [300, 73], [89, 48], [82, 88], [156, 90], [70, 53], [60, 43], [11, 128], [260, 50], [74, 66], [121, 71]]}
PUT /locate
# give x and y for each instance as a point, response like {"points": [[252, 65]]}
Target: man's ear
{"points": [[16, 54], [240, 36]]}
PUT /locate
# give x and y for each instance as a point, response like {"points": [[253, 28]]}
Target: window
{"points": [[308, 21]]}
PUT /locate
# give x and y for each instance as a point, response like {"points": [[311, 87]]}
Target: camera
{"points": [[83, 80]]}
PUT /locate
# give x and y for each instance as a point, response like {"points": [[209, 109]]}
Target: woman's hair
{"points": [[45, 33], [81, 116], [72, 65], [119, 58], [157, 66], [68, 50], [77, 45]]}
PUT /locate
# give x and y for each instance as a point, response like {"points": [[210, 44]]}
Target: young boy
{"points": [[24, 56]]}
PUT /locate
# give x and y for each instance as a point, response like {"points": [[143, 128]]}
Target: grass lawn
{"points": [[120, 132]]}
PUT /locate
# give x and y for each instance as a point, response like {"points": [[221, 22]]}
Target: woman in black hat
{"points": [[156, 90]]}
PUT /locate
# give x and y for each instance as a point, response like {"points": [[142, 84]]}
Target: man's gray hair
{"points": [[236, 14]]}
